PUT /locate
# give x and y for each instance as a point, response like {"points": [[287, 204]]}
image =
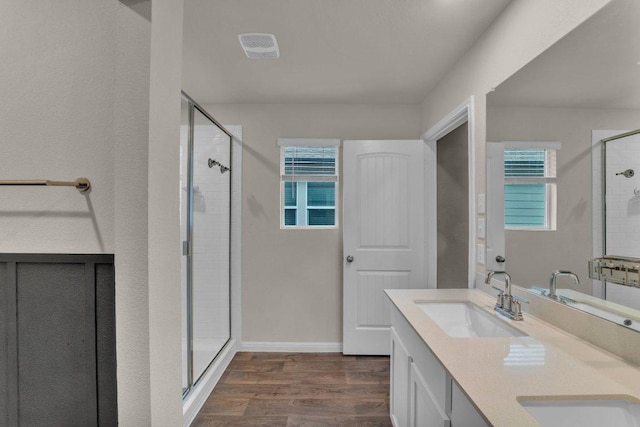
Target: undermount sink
{"points": [[584, 413], [464, 319]]}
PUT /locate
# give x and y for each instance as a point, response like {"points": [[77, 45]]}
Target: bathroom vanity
{"points": [[423, 392], [494, 371]]}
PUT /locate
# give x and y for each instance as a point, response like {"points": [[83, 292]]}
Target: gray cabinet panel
{"points": [[106, 344], [55, 337], [4, 348], [58, 367]]}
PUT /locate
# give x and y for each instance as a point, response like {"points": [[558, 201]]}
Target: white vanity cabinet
{"points": [[422, 392]]}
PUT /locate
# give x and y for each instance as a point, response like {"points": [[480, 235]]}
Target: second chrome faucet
{"points": [[553, 279]]}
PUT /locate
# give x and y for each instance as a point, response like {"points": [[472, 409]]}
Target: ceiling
{"points": [[331, 51], [595, 66]]}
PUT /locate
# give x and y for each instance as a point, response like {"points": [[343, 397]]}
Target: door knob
{"points": [[500, 258], [349, 258]]}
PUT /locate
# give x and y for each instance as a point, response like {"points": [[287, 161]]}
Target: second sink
{"points": [[585, 413], [464, 319]]}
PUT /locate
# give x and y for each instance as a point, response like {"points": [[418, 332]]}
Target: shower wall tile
{"points": [[211, 236]]}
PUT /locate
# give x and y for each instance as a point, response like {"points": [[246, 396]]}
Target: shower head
{"points": [[627, 174], [213, 162]]}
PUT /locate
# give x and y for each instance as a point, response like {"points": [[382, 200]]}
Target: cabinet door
{"points": [[57, 340], [400, 364], [423, 407], [463, 414]]}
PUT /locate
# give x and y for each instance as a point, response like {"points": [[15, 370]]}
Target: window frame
{"points": [[317, 143], [550, 180]]}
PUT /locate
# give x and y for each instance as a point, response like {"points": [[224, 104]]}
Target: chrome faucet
{"points": [[508, 305], [554, 277], [504, 295]]}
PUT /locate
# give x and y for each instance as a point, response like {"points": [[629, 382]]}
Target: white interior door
{"points": [[495, 206], [383, 236]]}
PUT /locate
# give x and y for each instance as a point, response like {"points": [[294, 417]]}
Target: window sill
{"points": [[528, 229], [309, 227]]}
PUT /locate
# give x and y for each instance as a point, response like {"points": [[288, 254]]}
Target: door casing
{"points": [[459, 115]]}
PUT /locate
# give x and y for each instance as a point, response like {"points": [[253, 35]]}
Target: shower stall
{"points": [[205, 221], [622, 194], [616, 216]]}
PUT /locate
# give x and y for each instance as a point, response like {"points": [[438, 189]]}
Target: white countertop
{"points": [[494, 372]]}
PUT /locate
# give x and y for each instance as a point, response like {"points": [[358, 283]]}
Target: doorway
{"points": [[452, 208], [460, 116]]}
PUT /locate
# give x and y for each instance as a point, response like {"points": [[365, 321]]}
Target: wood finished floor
{"points": [[300, 389]]}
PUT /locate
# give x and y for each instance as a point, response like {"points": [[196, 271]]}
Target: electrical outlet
{"points": [[480, 254]]}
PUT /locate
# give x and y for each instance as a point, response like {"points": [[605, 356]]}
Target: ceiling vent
{"points": [[259, 46]]}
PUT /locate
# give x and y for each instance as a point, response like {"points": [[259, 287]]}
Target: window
{"points": [[309, 182], [530, 187]]}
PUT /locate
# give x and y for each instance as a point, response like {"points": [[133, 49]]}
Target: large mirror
{"points": [[547, 169]]}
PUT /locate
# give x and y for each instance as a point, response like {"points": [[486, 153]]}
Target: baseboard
{"points": [[298, 347], [198, 396]]}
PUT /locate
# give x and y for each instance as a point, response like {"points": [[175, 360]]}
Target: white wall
{"points": [[130, 170], [77, 84], [292, 279], [57, 122], [165, 250], [524, 30], [570, 246]]}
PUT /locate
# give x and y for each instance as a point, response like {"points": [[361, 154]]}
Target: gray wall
{"points": [[453, 209], [292, 279], [570, 246]]}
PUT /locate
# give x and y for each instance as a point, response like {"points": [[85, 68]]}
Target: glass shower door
{"points": [[211, 211], [205, 197]]}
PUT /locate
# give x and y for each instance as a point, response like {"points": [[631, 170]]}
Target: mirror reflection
{"points": [[550, 176]]}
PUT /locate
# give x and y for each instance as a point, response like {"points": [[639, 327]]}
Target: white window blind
{"points": [[309, 164]]}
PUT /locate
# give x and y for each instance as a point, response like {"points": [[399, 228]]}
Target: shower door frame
{"points": [[187, 245], [599, 140]]}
